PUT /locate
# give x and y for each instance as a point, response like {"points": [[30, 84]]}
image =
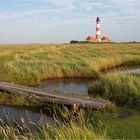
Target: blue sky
{"points": [[59, 21]]}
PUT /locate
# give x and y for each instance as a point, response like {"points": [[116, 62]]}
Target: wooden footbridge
{"points": [[52, 97]]}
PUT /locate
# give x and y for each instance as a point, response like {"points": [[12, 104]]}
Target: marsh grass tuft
{"points": [[119, 88]]}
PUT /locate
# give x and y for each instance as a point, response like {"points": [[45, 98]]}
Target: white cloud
{"points": [[64, 3], [127, 6], [29, 13], [66, 6], [127, 9], [92, 5]]}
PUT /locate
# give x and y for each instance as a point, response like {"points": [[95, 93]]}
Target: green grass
{"points": [[29, 64], [126, 127], [73, 131], [18, 100], [119, 88], [124, 91], [74, 128], [123, 128], [87, 125]]}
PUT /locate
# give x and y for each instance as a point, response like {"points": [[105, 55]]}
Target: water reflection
{"points": [[133, 71], [29, 117], [76, 86]]}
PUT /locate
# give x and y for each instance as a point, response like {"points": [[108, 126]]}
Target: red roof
{"points": [[91, 38], [106, 38]]}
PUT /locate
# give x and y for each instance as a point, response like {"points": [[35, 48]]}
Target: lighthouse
{"points": [[98, 38], [98, 31]]}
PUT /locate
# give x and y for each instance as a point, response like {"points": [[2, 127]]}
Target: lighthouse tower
{"points": [[98, 31]]}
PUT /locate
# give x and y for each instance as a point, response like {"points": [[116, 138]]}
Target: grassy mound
{"points": [[119, 88], [29, 64]]}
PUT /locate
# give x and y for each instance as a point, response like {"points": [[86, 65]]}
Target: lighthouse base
{"points": [[98, 40]]}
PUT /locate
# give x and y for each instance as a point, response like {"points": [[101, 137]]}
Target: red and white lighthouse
{"points": [[98, 31]]}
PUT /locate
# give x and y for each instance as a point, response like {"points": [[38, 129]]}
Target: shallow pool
{"points": [[77, 86], [23, 115]]}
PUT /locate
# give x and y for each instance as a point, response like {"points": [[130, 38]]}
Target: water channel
{"points": [[72, 86], [22, 115], [75, 86]]}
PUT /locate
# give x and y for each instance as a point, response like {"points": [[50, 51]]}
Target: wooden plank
{"points": [[52, 97]]}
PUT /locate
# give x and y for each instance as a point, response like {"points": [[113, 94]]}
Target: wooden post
{"points": [[74, 108]]}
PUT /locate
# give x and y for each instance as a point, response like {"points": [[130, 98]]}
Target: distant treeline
{"points": [[87, 42], [103, 42], [131, 42]]}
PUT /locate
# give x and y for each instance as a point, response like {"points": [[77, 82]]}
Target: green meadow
{"points": [[30, 64]]}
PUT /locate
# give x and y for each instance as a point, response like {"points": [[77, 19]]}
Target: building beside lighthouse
{"points": [[98, 37], [91, 38]]}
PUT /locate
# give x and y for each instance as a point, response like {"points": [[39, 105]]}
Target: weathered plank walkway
{"points": [[52, 97]]}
